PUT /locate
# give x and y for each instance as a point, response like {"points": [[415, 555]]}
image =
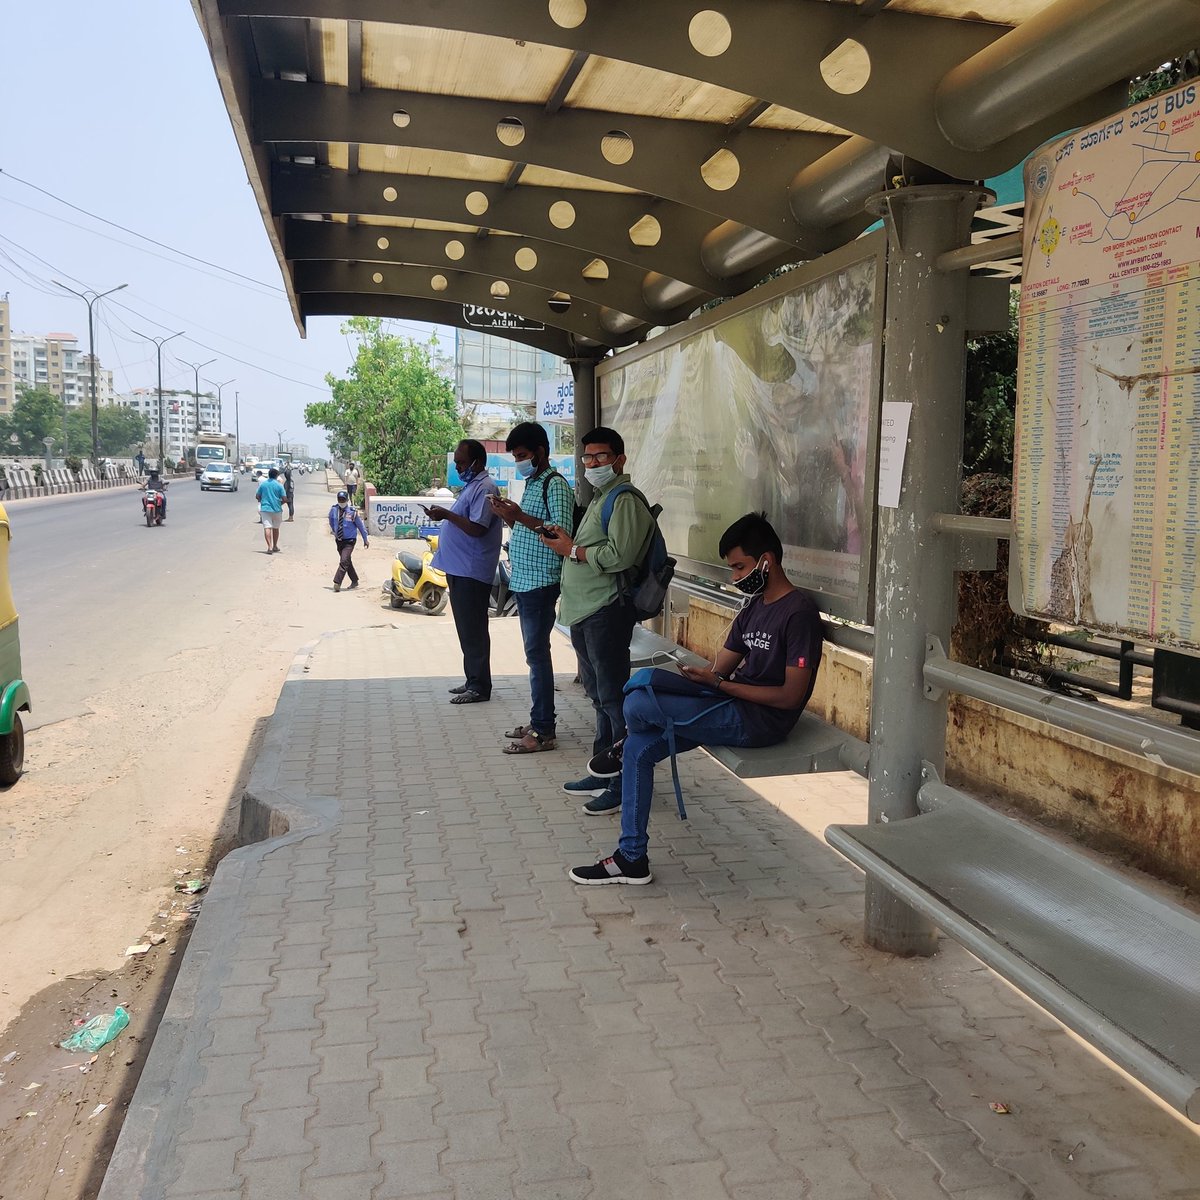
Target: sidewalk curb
{"points": [[146, 1144]]}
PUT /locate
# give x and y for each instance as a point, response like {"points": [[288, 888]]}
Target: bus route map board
{"points": [[1106, 476], [767, 403]]}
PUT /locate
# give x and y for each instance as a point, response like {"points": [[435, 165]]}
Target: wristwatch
{"points": [[574, 555]]}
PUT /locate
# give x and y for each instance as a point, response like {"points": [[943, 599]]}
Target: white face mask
{"points": [[599, 476], [342, 505]]}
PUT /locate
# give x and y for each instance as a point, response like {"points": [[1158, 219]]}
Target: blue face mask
{"points": [[467, 475], [526, 468]]}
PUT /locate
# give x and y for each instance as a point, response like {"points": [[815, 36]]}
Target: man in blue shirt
{"points": [[469, 551], [270, 497], [536, 571], [345, 524]]}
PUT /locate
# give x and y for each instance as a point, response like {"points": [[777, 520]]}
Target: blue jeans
{"points": [[601, 642], [646, 745], [535, 610]]}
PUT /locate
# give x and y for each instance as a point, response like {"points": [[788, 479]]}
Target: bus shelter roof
{"points": [[574, 173]]}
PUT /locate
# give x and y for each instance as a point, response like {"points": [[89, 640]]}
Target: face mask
{"points": [[342, 505], [526, 469], [599, 476], [755, 582], [467, 475]]}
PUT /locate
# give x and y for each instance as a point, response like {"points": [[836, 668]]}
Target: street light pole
{"points": [[158, 341], [220, 387], [279, 441], [91, 360], [196, 388], [237, 423]]}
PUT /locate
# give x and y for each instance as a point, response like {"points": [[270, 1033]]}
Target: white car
{"points": [[219, 477], [261, 470]]}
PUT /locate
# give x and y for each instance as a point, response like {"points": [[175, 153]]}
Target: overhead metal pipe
{"points": [[1059, 56], [663, 293], [837, 186], [619, 322], [1001, 249]]}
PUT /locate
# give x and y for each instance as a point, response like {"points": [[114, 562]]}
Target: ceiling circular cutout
{"points": [[562, 214], [510, 131], [709, 33], [439, 283], [455, 249], [846, 68], [401, 119], [390, 194], [617, 147], [721, 170], [477, 204], [568, 14], [383, 243], [526, 258], [646, 232]]}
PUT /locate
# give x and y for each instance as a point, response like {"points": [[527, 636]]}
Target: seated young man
{"points": [[767, 669]]}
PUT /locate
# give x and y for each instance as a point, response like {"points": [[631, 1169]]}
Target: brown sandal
{"points": [[540, 742], [520, 732]]}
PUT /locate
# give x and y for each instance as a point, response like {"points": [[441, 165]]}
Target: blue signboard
{"points": [[503, 470]]}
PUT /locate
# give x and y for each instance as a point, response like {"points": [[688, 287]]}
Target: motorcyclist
{"points": [[155, 481]]}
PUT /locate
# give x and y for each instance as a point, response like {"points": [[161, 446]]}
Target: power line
{"points": [[133, 232], [144, 317]]}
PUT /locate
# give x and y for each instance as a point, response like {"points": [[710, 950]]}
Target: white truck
{"points": [[215, 447]]}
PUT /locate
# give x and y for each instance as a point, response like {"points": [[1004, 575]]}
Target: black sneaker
{"points": [[617, 869], [602, 805], [607, 764]]}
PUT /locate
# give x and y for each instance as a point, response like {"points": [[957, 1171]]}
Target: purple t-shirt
{"points": [[771, 638]]}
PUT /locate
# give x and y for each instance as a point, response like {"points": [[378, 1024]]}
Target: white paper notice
{"points": [[893, 441]]}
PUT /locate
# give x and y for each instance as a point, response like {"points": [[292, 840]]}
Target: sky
{"points": [[114, 108]]}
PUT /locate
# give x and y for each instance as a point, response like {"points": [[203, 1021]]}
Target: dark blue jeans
{"points": [[712, 723], [535, 610], [601, 643]]}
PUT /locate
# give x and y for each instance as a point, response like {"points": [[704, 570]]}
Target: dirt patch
{"points": [[61, 1112]]}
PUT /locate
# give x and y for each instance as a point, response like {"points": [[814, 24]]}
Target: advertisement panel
{"points": [[769, 403], [385, 513], [555, 401], [504, 470]]}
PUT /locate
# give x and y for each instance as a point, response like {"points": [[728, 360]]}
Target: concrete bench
{"points": [[814, 745], [1114, 963]]}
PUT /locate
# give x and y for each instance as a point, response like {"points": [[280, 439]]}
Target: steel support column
{"points": [[925, 339], [587, 417]]}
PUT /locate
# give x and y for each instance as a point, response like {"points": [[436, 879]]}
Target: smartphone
{"points": [[543, 532]]}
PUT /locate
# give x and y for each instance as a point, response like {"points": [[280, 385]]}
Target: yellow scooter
{"points": [[416, 581], [14, 692]]}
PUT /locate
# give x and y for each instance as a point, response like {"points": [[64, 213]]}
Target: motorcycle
{"points": [[154, 505], [416, 581], [502, 601]]}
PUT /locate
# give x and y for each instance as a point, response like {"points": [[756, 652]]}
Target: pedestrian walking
{"points": [[346, 524], [351, 479], [535, 575], [469, 552], [289, 491], [270, 496]]}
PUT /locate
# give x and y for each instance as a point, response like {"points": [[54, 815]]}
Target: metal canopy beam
{"points": [[908, 54], [666, 155], [370, 280], [439, 312], [557, 268], [601, 225]]}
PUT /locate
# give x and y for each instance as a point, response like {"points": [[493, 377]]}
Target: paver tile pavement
{"points": [[405, 997]]}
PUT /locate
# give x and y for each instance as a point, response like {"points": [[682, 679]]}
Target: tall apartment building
{"points": [[178, 418], [55, 361], [8, 384]]}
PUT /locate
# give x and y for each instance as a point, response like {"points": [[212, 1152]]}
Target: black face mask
{"points": [[755, 582]]}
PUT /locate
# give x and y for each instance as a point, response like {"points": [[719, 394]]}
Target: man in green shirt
{"points": [[594, 601]]}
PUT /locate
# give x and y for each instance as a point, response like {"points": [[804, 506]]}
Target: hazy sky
{"points": [[114, 107]]}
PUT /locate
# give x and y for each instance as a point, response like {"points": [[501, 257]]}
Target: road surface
{"points": [[154, 657]]}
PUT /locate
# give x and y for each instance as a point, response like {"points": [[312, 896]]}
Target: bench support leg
{"points": [[925, 350]]}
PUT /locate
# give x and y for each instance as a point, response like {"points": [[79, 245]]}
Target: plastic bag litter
{"points": [[98, 1031]]}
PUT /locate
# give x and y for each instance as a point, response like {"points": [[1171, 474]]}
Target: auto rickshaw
{"points": [[14, 693]]}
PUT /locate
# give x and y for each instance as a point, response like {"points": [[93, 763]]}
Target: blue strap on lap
{"points": [[651, 680]]}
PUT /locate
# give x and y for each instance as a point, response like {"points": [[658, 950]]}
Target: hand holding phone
{"points": [[550, 532]]}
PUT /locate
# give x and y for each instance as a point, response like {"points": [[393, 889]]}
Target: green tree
{"points": [[119, 429], [990, 394], [396, 404], [37, 414]]}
